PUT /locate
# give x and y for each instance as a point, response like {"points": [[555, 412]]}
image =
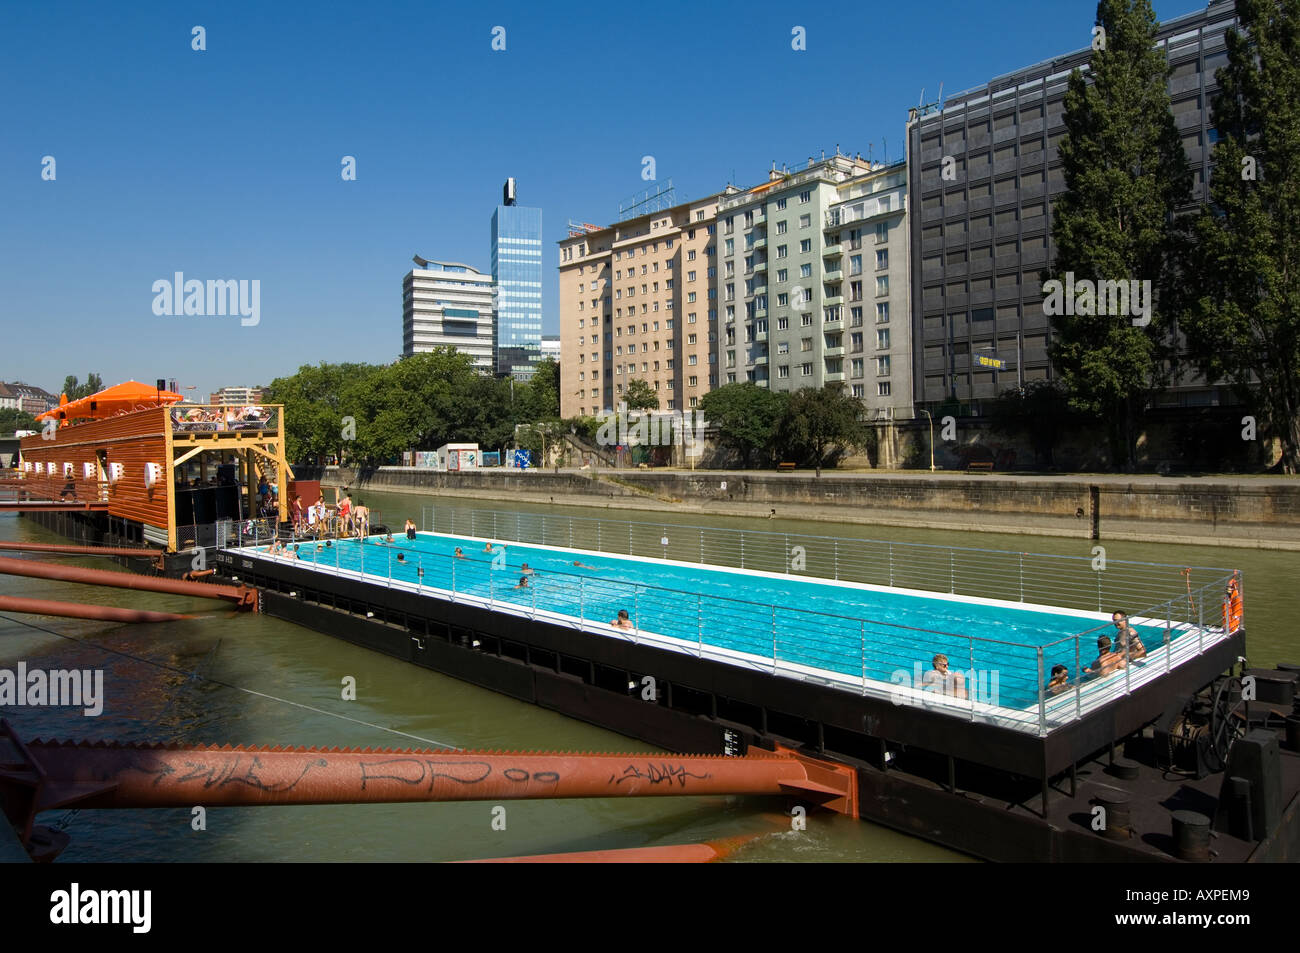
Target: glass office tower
{"points": [[517, 273]]}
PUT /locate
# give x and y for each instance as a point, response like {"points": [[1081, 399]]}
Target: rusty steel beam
{"points": [[77, 610], [175, 776], [242, 596], [706, 853], [71, 550]]}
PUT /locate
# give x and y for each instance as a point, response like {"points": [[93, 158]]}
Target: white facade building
{"points": [[448, 304]]}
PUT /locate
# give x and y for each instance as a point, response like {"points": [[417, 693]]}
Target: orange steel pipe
{"points": [[69, 549], [706, 853], [128, 776], [240, 595], [77, 610]]}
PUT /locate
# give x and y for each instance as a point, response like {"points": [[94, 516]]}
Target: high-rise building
{"points": [[984, 172], [235, 395], [448, 304], [638, 301], [517, 273], [551, 347]]}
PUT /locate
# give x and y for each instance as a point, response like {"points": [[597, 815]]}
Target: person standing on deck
{"points": [[345, 515]]}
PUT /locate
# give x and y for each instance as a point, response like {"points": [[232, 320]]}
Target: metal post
{"points": [[773, 640], [836, 552], [1168, 664], [543, 529], [1042, 703], [636, 611], [970, 676], [1200, 623], [1022, 577], [701, 545], [492, 590], [1099, 590], [494, 524], [699, 623], [742, 550], [787, 554], [582, 602], [570, 533], [453, 578], [599, 548], [891, 564], [1078, 682], [952, 571], [862, 638], [533, 590]]}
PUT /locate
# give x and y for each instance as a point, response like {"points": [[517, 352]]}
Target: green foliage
{"points": [[818, 427], [12, 419], [94, 384], [1125, 173], [540, 398], [1242, 323], [1040, 409], [746, 417], [640, 396]]}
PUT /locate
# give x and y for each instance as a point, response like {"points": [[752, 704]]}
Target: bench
{"points": [[786, 466], [984, 465]]}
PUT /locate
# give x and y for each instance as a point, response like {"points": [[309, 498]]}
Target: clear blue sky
{"points": [[226, 163]]}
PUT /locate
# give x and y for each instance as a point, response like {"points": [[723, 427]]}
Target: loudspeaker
{"points": [[1252, 787]]}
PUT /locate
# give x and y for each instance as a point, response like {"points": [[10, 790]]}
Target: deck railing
{"points": [[1004, 682]]}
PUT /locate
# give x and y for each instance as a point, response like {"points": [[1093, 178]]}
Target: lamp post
{"points": [[931, 419]]}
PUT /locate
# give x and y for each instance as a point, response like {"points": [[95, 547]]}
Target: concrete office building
{"points": [[551, 347], [448, 304], [781, 298], [638, 300], [982, 236], [517, 273]]}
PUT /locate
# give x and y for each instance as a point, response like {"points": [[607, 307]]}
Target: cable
{"points": [[216, 681]]}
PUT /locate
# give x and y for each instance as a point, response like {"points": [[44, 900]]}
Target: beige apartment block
{"points": [[638, 300]]}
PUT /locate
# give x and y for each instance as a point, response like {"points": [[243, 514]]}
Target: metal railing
{"points": [[1001, 682], [1077, 582]]}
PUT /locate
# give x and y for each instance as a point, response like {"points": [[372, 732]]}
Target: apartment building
{"points": [[236, 395], [867, 254], [449, 304], [782, 299], [638, 300], [984, 172]]}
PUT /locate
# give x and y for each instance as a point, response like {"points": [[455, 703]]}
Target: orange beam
{"points": [[72, 550], [77, 610], [242, 596]]}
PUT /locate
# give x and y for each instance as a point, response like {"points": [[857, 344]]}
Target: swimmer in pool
{"points": [[584, 566], [622, 622], [523, 583], [460, 554]]}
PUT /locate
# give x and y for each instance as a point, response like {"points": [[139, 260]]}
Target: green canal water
{"points": [[267, 682]]}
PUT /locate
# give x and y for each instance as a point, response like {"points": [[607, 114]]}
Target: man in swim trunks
{"points": [[948, 683]]}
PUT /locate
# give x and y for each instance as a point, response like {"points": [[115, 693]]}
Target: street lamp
{"points": [[927, 414]]}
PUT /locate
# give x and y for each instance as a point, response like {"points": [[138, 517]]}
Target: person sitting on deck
{"points": [[523, 583], [460, 554], [948, 683], [1108, 660], [1060, 680], [1128, 642], [622, 622], [410, 530]]}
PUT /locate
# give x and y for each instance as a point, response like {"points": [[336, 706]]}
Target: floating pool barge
{"points": [[1014, 782]]}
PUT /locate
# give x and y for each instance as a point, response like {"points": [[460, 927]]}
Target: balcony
{"points": [[832, 251], [760, 336], [833, 351], [833, 300], [758, 243], [760, 266], [833, 377], [833, 272]]}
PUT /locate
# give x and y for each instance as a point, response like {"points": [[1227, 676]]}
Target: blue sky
{"points": [[226, 163]]}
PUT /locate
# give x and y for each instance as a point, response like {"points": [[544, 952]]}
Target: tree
{"points": [[820, 426], [1125, 174], [1243, 324], [543, 392], [1040, 409], [746, 417], [640, 395], [94, 384], [12, 419]]}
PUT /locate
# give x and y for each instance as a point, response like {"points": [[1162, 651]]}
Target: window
{"points": [[729, 248], [690, 233], [780, 228], [805, 221], [783, 371], [692, 381], [690, 297], [783, 347], [668, 243], [783, 300], [855, 367], [805, 344], [782, 324], [782, 251], [805, 271], [882, 285], [882, 259], [805, 246], [882, 232], [859, 390], [699, 216], [882, 313], [780, 205], [805, 197], [690, 255], [882, 365], [882, 339], [855, 342], [690, 276], [690, 318], [691, 359], [805, 370], [882, 389], [805, 319], [782, 274]]}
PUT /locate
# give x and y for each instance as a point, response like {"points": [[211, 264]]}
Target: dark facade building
{"points": [[981, 232]]}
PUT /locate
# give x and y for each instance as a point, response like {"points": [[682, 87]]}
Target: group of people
{"points": [[219, 418], [1112, 655]]}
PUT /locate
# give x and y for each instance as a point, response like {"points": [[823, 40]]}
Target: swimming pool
{"points": [[859, 631]]}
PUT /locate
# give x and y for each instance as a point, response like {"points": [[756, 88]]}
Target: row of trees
{"points": [[367, 413], [810, 427], [1224, 279]]}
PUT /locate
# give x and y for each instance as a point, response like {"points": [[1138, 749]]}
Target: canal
{"points": [[266, 682]]}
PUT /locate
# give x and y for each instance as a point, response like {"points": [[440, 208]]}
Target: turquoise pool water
{"points": [[850, 630]]}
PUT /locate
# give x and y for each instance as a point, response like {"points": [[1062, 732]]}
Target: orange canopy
{"points": [[124, 398]]}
